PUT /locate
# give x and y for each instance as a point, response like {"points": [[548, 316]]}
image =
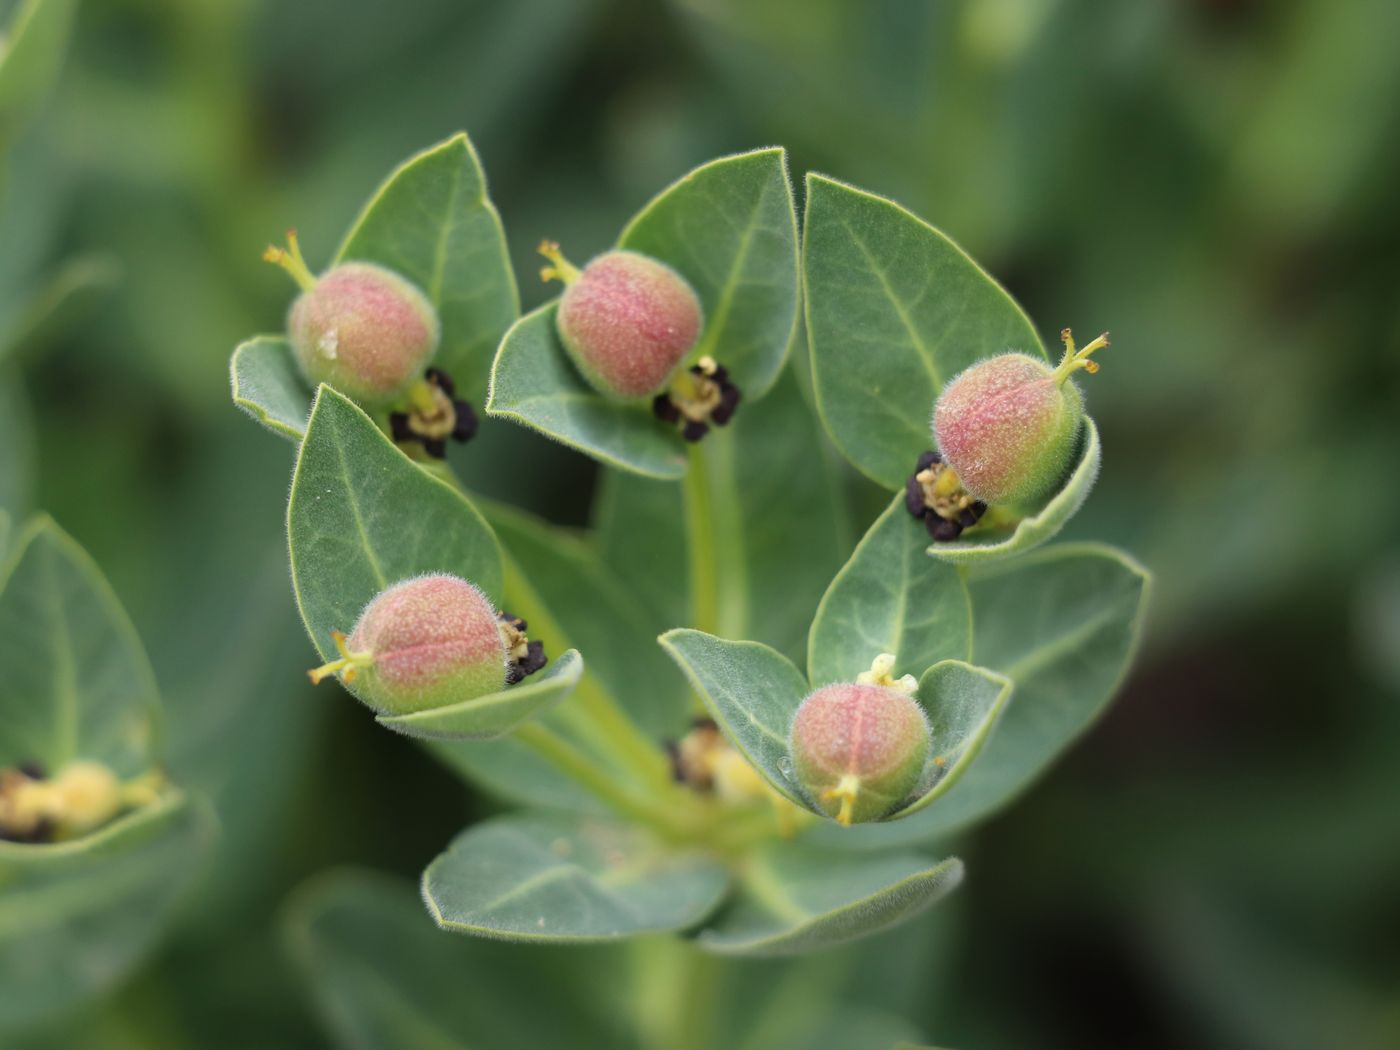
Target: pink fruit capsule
{"points": [[360, 328], [626, 320], [858, 750], [1010, 425], [422, 643]]}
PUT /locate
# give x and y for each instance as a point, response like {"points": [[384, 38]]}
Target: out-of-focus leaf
{"points": [[16, 444], [76, 916], [31, 51], [797, 898], [890, 598], [759, 476], [983, 544], [384, 978], [362, 516], [730, 228], [894, 311], [433, 223], [496, 714], [555, 877], [752, 691], [269, 387], [76, 681], [46, 311]]}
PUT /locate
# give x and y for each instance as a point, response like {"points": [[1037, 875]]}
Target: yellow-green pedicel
{"points": [[626, 319], [1009, 426], [859, 750], [360, 328], [422, 643]]}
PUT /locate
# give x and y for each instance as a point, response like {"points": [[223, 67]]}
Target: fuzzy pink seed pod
{"points": [[363, 330], [858, 750], [627, 322], [427, 642], [1009, 426]]}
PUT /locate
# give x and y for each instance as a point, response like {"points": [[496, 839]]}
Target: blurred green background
{"points": [[1211, 180]]}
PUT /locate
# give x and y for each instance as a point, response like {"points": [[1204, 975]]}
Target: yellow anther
{"points": [[290, 259], [348, 666], [846, 789], [1075, 359], [560, 269], [881, 673]]}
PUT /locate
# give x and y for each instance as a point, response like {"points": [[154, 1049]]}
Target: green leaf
{"points": [[562, 878], [496, 714], [730, 227], [268, 385], [76, 916], [362, 516], [1063, 624], [77, 683], [16, 443], [533, 383], [981, 545], [31, 51], [433, 223], [795, 898], [385, 978], [752, 691], [894, 310], [770, 468], [45, 312], [890, 598], [963, 704]]}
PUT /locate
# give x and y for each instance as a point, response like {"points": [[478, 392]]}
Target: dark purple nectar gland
{"points": [[934, 495], [523, 657], [433, 414], [700, 396]]}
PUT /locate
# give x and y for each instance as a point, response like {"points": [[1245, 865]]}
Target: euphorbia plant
{"points": [[717, 793]]}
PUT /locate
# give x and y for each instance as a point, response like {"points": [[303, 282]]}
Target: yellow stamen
{"points": [[881, 673], [562, 269], [348, 666], [290, 259], [1075, 359], [846, 789]]}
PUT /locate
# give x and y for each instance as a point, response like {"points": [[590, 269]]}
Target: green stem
{"points": [[700, 541], [588, 774], [595, 713]]}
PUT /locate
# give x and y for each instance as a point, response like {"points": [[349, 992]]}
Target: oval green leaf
{"points": [[978, 545], [534, 384], [76, 916], [76, 681], [730, 228], [752, 691], [432, 222], [268, 385], [362, 516], [1063, 624], [890, 598], [963, 704], [496, 714], [894, 310], [794, 898], [565, 878]]}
